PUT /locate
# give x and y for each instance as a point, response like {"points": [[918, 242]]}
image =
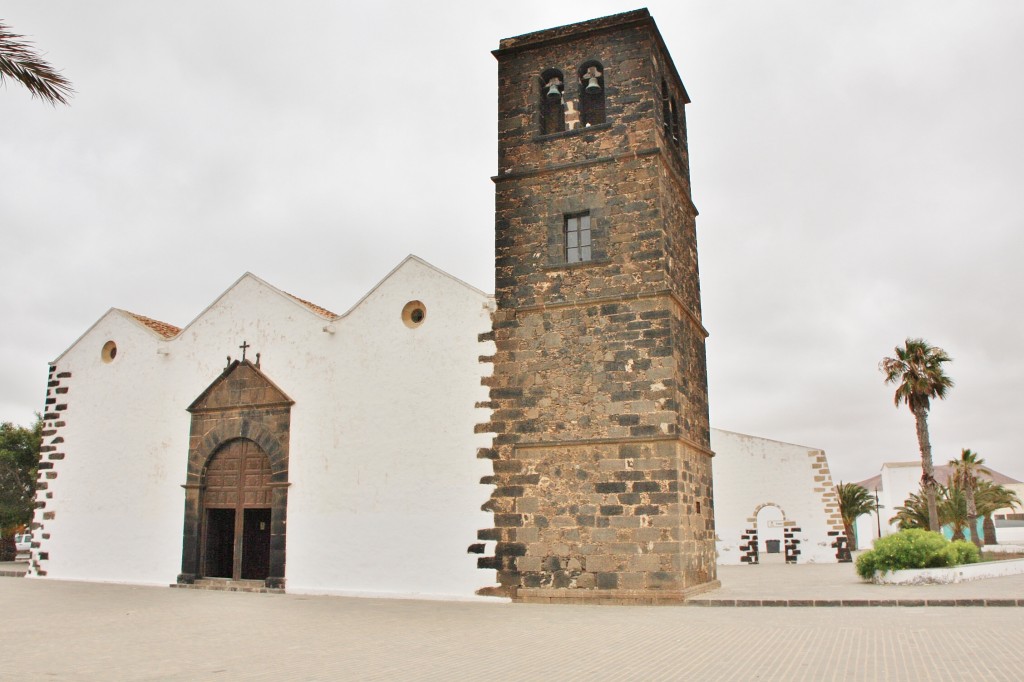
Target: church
{"points": [[549, 443]]}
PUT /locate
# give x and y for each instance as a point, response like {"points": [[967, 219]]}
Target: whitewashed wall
{"points": [[898, 481], [385, 492], [751, 472]]}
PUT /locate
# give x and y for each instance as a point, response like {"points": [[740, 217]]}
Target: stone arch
{"points": [[770, 524], [751, 539], [761, 506], [241, 404], [223, 433]]}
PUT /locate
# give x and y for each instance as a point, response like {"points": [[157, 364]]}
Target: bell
{"points": [[593, 86], [553, 91]]}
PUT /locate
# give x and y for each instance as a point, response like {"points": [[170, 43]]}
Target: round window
{"points": [[109, 351], [414, 313]]}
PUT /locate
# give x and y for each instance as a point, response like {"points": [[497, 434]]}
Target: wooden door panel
{"points": [[237, 478]]}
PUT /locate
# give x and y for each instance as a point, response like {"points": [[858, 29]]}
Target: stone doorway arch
{"points": [[770, 526], [237, 481], [237, 509]]}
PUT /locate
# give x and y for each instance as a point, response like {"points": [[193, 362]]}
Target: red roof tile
{"points": [[162, 328], [314, 307]]}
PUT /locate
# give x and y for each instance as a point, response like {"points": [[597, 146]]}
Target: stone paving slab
{"points": [[54, 630], [13, 569]]}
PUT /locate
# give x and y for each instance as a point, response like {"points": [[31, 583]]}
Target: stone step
{"points": [[228, 585]]}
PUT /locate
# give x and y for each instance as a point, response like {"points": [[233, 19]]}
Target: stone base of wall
{"points": [[611, 597]]}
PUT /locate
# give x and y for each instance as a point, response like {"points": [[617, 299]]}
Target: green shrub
{"points": [[913, 548], [866, 565], [962, 552]]}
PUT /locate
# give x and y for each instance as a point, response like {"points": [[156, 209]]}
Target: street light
{"points": [[878, 513]]}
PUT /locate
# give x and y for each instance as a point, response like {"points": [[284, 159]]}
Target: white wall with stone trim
{"points": [[752, 473], [385, 495]]}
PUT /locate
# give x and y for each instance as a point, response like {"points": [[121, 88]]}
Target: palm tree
{"points": [[854, 501], [953, 510], [990, 497], [19, 61], [913, 513], [965, 477], [917, 372]]}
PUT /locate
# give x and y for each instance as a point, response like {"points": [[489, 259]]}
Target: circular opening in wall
{"points": [[109, 351], [414, 313]]}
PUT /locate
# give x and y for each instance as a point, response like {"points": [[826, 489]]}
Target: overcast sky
{"points": [[857, 166]]}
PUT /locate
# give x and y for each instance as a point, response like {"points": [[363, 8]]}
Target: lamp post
{"points": [[878, 513]]}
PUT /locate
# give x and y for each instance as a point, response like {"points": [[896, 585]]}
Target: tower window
{"points": [[591, 76], [577, 238], [552, 113]]}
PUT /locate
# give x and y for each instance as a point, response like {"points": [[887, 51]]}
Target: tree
{"points": [[990, 497], [917, 372], [913, 513], [19, 459], [965, 477], [953, 510], [20, 62], [854, 501]]}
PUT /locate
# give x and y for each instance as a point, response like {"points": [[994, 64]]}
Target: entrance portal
{"points": [[770, 534], [237, 513]]}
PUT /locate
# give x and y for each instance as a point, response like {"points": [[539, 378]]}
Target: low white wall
{"points": [[953, 574]]}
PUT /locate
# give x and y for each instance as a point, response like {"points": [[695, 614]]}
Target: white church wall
{"points": [[392, 503], [752, 474], [384, 494], [114, 496]]}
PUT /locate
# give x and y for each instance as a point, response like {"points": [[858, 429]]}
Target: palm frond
{"points": [[19, 61], [917, 371]]}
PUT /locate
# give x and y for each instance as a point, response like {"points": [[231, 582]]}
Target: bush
{"points": [[914, 548], [961, 552]]}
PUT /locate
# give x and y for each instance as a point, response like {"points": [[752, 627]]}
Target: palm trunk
{"points": [[972, 513], [851, 538], [990, 530], [927, 469]]}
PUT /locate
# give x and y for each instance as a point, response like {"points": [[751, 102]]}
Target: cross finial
{"points": [[245, 346]]}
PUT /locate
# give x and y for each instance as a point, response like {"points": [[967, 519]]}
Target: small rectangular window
{"points": [[577, 238]]}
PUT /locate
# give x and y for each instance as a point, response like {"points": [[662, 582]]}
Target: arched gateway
{"points": [[236, 491], [236, 513]]}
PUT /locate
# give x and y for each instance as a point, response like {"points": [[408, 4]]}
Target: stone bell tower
{"points": [[602, 466]]}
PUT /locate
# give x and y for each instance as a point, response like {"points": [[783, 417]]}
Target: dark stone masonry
{"points": [[602, 471], [50, 456]]}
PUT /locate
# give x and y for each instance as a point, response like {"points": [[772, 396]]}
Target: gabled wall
{"points": [[384, 494], [754, 473]]}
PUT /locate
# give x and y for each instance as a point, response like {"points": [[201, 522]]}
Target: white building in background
{"points": [[898, 480], [774, 499]]}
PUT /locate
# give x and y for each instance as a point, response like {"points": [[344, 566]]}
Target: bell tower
{"points": [[602, 465]]}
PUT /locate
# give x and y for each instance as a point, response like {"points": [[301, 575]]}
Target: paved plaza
{"points": [[53, 630]]}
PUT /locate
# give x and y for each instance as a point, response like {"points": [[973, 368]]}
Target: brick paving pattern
{"points": [[72, 631]]}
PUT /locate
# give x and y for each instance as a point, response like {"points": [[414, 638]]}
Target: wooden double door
{"points": [[237, 513]]}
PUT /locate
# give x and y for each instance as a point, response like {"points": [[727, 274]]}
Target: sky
{"points": [[854, 163]]}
